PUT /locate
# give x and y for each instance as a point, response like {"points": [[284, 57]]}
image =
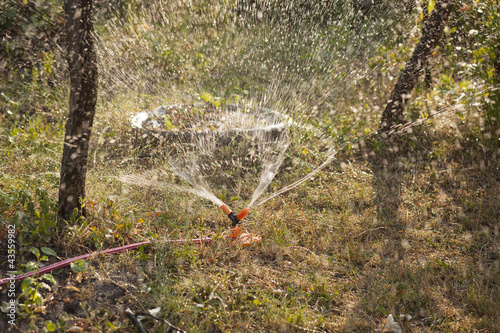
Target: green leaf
{"points": [[44, 286], [234, 198], [49, 278], [31, 266], [35, 251], [431, 5], [74, 216], [168, 125], [110, 325], [26, 283], [37, 298], [4, 307], [206, 97], [50, 326], [29, 291], [48, 251], [79, 266]]}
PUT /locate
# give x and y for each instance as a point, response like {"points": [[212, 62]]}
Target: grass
{"points": [[363, 240], [407, 226]]}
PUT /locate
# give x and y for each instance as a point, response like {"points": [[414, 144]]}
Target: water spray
{"points": [[252, 135]]}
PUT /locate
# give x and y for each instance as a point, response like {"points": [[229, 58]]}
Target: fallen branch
{"points": [[136, 322], [172, 327]]}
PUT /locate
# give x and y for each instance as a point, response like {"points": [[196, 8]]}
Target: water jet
{"points": [[207, 148]]}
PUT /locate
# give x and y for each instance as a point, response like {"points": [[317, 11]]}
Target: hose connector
{"points": [[235, 218]]}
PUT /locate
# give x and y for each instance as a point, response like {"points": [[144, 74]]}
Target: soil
{"points": [[81, 302]]}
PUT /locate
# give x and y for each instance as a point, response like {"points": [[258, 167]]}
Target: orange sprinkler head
{"points": [[235, 218], [226, 209], [241, 215]]}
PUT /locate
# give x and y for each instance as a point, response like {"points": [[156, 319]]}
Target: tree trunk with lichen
{"points": [[83, 97], [431, 32]]}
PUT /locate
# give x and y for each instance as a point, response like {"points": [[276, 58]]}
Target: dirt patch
{"points": [[82, 300]]}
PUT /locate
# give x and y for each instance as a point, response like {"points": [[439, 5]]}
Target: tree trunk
{"points": [[431, 32], [427, 68], [497, 61], [83, 97]]}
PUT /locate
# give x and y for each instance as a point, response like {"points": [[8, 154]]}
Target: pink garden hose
{"points": [[236, 232], [66, 262]]}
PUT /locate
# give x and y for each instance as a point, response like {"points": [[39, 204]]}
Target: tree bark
{"points": [[431, 32], [427, 68], [83, 97], [497, 61]]}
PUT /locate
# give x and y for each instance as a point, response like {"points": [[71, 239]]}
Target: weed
{"points": [[35, 218], [406, 226], [31, 300]]}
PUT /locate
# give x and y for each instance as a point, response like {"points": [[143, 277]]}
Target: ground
{"points": [[371, 235]]}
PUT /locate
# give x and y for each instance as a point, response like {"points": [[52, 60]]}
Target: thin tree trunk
{"points": [[431, 32], [427, 68], [83, 97], [497, 61]]}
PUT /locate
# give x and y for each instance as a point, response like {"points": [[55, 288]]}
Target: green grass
{"points": [[339, 253], [407, 226]]}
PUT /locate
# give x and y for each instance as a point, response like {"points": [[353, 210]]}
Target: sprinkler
{"points": [[238, 237], [236, 232], [235, 218]]}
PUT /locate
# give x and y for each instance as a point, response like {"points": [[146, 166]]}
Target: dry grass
{"points": [[363, 240], [407, 227], [379, 232]]}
